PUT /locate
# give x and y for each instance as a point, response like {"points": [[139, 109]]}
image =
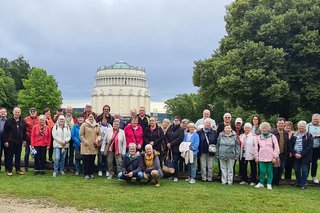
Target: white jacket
{"points": [[60, 135], [186, 153], [106, 141], [251, 142]]}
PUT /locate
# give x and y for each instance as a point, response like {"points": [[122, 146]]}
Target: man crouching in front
{"points": [[150, 165], [130, 165]]}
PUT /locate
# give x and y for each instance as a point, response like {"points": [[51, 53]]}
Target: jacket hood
{"points": [[93, 124]]}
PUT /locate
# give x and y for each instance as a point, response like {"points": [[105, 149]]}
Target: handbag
{"points": [[168, 166], [212, 147]]}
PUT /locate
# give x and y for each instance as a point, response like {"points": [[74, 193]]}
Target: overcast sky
{"points": [[72, 38]]}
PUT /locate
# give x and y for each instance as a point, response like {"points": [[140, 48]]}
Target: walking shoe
{"points": [[175, 179], [243, 183], [100, 173], [9, 174], [269, 186], [20, 172], [192, 181], [107, 174], [76, 174], [54, 174], [170, 178], [303, 187], [157, 184], [91, 176], [109, 177], [188, 179], [210, 180], [259, 185], [315, 180], [87, 177], [62, 173], [252, 184]]}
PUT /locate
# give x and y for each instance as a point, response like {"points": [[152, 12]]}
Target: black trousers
{"points": [[88, 164], [50, 152], [14, 149], [244, 171], [314, 163], [5, 151], [40, 158], [288, 168], [69, 163]]}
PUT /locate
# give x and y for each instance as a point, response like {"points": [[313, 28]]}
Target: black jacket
{"points": [[130, 164], [212, 138], [143, 122], [307, 145], [15, 132], [110, 119], [174, 136], [156, 136]]}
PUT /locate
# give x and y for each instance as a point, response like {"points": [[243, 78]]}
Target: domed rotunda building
{"points": [[122, 87]]}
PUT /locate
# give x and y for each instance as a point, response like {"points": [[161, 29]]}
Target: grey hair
{"points": [[191, 125], [207, 120], [247, 125], [116, 121], [302, 123], [265, 124], [148, 146], [42, 117], [61, 117], [225, 114], [316, 115], [132, 145]]}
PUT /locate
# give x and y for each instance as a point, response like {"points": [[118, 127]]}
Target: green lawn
{"points": [[117, 196]]}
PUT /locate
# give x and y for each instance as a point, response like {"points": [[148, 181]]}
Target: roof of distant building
{"points": [[121, 65]]}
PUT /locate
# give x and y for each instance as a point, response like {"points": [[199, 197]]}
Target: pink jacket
{"points": [[266, 149], [136, 137]]}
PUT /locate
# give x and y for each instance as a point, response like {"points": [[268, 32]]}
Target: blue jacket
{"points": [[194, 142], [75, 135]]}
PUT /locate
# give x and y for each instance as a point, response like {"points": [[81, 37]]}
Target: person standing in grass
{"points": [[40, 141], [266, 153], [61, 134], [104, 126], [314, 129], [247, 156], [228, 149], [50, 123], [174, 137], [130, 165], [3, 119], [150, 165], [90, 136], [75, 135], [289, 128], [114, 147], [193, 137], [14, 139], [301, 145], [30, 121], [207, 137]]}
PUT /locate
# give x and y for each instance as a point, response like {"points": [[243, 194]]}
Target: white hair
{"points": [[249, 125], [226, 114], [207, 120], [132, 145], [265, 125], [42, 117], [148, 146], [304, 123], [315, 115]]}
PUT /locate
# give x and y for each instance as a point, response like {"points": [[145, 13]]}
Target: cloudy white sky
{"points": [[72, 38]]}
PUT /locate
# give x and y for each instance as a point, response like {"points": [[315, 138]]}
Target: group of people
{"points": [[141, 148]]}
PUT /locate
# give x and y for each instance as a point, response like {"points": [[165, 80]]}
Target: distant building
{"points": [[121, 86]]}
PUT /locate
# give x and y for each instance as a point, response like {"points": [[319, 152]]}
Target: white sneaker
{"points": [[315, 180], [269, 186], [259, 185], [188, 179], [54, 174], [175, 179], [192, 181], [100, 173], [252, 184], [243, 183], [109, 177], [107, 174]]}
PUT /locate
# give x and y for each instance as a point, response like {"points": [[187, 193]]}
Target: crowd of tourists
{"points": [[143, 149]]}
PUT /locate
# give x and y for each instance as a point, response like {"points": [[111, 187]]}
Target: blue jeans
{"points": [[192, 167], [59, 159], [302, 172], [77, 161], [139, 176], [101, 160]]}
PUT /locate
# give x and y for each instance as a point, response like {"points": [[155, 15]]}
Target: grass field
{"points": [[117, 196]]}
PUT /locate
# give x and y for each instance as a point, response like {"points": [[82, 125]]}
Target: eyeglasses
{"points": [[32, 111], [106, 109]]}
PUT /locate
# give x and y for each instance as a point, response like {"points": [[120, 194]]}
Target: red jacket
{"points": [[30, 122], [40, 140], [136, 137]]}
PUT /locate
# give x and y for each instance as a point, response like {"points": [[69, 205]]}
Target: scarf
{"points": [[149, 160], [266, 135], [42, 129]]}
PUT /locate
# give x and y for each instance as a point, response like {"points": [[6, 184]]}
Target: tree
{"points": [[186, 106], [41, 91], [8, 95], [269, 61], [17, 69]]}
